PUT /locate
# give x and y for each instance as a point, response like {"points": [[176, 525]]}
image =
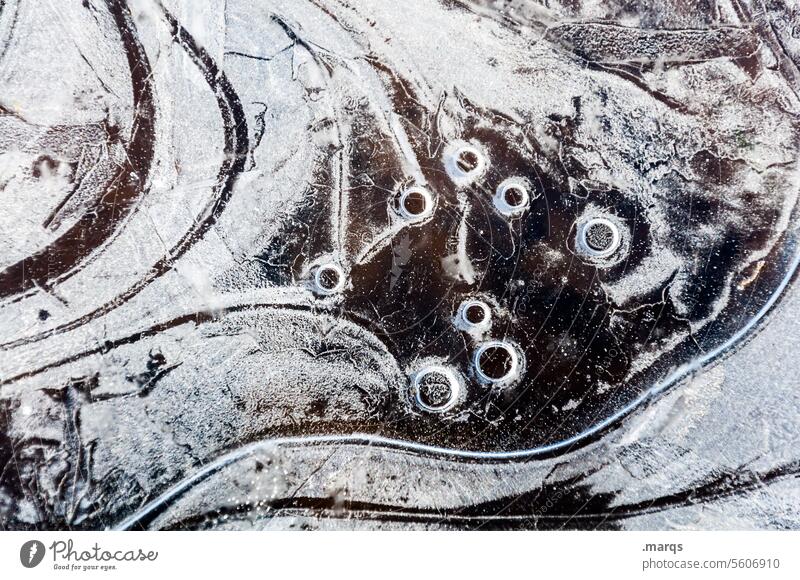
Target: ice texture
{"points": [[234, 235]]}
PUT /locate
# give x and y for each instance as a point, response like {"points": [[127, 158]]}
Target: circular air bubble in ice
{"points": [[465, 163], [329, 279], [497, 362], [599, 238], [416, 203], [474, 315], [436, 389], [512, 197]]}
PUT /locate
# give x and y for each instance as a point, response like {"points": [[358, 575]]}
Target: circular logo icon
{"points": [[31, 553]]}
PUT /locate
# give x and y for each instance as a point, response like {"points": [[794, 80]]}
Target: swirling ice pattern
{"points": [[349, 222]]}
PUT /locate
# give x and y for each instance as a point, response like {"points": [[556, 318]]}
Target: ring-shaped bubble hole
{"points": [[512, 198], [474, 314], [497, 362], [436, 389], [416, 203], [329, 279], [466, 162], [599, 238]]}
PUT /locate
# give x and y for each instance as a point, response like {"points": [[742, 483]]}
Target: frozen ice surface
{"points": [[367, 263]]}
